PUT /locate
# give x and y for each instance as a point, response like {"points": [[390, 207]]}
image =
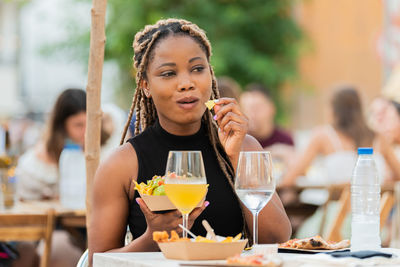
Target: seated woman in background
{"points": [[338, 143], [37, 169]]}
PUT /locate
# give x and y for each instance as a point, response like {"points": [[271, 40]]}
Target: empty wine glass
{"points": [[254, 183], [185, 181]]}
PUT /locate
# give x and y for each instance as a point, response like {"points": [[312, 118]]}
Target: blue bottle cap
{"points": [[365, 151], [72, 146]]}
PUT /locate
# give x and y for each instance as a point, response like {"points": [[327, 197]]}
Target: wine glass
{"points": [[254, 183], [185, 181]]}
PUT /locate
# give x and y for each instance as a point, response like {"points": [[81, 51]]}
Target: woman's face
{"points": [[179, 81], [75, 127]]}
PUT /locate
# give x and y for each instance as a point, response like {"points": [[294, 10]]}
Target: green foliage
{"points": [[253, 40]]}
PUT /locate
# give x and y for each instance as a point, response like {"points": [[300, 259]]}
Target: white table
{"points": [[153, 259]]}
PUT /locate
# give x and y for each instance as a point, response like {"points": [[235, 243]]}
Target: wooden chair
{"points": [[334, 232], [387, 202], [29, 227]]}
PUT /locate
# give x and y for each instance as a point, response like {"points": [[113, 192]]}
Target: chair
{"points": [[334, 232], [387, 202], [29, 227], [83, 260]]}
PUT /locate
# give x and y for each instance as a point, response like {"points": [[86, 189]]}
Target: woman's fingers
{"points": [[160, 221], [223, 107], [146, 211], [232, 121]]}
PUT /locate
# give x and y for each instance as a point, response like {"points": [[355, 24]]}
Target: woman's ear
{"points": [[145, 87]]}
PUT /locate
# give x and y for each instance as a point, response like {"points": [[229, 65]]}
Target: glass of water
{"points": [[254, 183]]}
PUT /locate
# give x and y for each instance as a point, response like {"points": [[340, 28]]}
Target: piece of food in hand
{"points": [[153, 187], [210, 104], [315, 242]]}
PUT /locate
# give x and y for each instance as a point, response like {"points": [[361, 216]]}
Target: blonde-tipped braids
{"points": [[146, 112]]}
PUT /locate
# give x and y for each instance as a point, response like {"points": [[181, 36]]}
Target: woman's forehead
{"points": [[178, 47]]}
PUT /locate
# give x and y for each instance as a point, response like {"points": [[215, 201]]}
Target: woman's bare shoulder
{"points": [[120, 166]]}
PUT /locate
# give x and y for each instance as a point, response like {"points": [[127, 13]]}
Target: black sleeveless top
{"points": [[152, 147]]}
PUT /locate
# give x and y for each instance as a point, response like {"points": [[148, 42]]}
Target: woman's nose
{"points": [[185, 83]]}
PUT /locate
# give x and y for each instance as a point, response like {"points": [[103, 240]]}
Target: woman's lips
{"points": [[187, 103]]}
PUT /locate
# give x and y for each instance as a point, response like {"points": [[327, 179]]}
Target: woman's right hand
{"points": [[167, 221]]}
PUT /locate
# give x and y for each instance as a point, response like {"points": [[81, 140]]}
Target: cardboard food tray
{"points": [[159, 203], [201, 250], [309, 251]]}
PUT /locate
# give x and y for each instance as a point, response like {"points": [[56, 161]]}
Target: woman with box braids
{"points": [[173, 81]]}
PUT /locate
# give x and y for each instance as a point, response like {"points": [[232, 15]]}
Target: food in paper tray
{"points": [[210, 104], [200, 248], [153, 187], [315, 242], [254, 260]]}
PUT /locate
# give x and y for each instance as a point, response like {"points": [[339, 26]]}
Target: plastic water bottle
{"points": [[365, 201], [72, 177]]}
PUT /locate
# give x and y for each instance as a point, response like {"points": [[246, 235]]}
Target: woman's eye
{"points": [[198, 69], [167, 73]]}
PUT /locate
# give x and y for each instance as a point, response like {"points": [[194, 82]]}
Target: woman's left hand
{"points": [[232, 125]]}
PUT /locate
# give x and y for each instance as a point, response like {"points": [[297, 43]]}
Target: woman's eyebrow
{"points": [[195, 58], [170, 64]]}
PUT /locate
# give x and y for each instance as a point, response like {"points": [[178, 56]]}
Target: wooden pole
{"points": [[93, 90]]}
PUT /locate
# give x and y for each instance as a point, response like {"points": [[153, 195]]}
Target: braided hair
{"points": [[144, 43]]}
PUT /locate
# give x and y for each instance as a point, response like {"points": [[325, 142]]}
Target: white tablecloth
{"points": [[153, 259]]}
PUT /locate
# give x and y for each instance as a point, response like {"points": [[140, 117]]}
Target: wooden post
{"points": [[93, 90]]}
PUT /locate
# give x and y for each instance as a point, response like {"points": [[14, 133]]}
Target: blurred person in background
{"points": [[37, 169], [228, 87], [338, 141], [393, 115], [378, 115], [258, 106]]}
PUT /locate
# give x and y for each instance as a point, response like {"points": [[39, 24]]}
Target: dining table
{"points": [[71, 220], [152, 259], [64, 216]]}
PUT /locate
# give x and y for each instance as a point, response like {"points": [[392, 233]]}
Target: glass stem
{"points": [[185, 218], [255, 228]]}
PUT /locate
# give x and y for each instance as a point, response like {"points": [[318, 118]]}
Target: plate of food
{"points": [[311, 245], [200, 248]]}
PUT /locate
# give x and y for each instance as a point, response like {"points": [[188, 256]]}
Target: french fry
{"points": [[237, 237], [174, 236], [228, 239], [200, 238]]}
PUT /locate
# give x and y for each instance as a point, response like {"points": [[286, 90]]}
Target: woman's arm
{"points": [[304, 160], [112, 191], [110, 204], [387, 152]]}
